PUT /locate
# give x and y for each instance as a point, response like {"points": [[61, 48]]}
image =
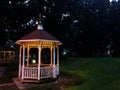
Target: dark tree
{"points": [[88, 27]]}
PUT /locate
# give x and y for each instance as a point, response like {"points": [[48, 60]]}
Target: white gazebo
{"points": [[38, 56]]}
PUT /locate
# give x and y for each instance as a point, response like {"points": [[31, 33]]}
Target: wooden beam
{"points": [[20, 52], [51, 52], [54, 68], [39, 60], [23, 62], [28, 49]]}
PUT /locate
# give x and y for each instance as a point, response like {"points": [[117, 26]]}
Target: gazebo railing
{"points": [[32, 72], [46, 72], [57, 69]]}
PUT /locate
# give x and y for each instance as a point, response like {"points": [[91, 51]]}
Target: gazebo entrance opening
{"points": [[33, 57], [32, 61], [45, 56]]}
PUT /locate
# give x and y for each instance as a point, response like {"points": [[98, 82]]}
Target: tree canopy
{"points": [[88, 27]]}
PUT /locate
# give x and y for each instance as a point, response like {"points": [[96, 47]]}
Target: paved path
{"points": [[21, 85], [7, 84], [2, 70]]}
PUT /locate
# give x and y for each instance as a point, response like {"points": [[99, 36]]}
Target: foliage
{"points": [[88, 27]]}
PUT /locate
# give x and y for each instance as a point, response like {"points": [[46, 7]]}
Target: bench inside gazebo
{"points": [[38, 56]]}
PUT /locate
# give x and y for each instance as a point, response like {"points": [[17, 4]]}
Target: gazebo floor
{"points": [[37, 81]]}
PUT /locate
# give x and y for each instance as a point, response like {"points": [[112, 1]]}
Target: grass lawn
{"points": [[83, 74], [98, 73]]}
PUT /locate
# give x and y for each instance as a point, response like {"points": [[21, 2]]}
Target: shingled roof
{"points": [[38, 34]]}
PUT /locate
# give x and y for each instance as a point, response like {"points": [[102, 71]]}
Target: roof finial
{"points": [[40, 26], [40, 18]]}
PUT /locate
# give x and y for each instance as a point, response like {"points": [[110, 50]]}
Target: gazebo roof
{"points": [[38, 35]]}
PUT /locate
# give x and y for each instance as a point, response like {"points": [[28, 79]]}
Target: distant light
{"points": [[33, 61], [10, 2], [27, 23], [40, 27], [45, 8], [84, 2], [6, 30], [113, 0], [31, 21], [26, 1], [110, 0], [65, 15], [44, 16], [36, 22], [26, 59], [11, 46], [75, 21], [53, 4], [97, 10], [64, 53]]}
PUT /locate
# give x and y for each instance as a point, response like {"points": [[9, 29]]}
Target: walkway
{"points": [[2, 70], [21, 85]]}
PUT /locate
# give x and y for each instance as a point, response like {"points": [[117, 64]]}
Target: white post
{"points": [[28, 49], [4, 55], [23, 63], [19, 73], [54, 67], [51, 49], [39, 60], [57, 60]]}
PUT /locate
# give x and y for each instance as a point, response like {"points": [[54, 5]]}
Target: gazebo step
{"points": [[28, 80], [37, 81], [25, 85]]}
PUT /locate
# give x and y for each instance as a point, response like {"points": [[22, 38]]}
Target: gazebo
{"points": [[38, 56], [7, 55]]}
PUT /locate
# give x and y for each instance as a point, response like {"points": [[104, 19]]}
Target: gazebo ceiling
{"points": [[37, 36]]}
